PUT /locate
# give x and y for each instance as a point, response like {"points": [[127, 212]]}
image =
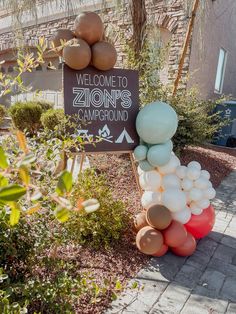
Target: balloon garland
{"points": [[85, 46], [176, 198]]}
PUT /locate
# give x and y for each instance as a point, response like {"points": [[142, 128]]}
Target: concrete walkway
{"points": [[204, 283]]}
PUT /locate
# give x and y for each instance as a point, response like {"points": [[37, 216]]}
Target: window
{"points": [[220, 73]]}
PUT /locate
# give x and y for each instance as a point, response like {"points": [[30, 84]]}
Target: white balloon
{"points": [[140, 171], [205, 174], [150, 180], [170, 181], [193, 173], [186, 184], [210, 193], [195, 194], [201, 183], [188, 197], [204, 203], [209, 184], [194, 164], [182, 216], [150, 198], [181, 171], [195, 209], [174, 199], [171, 166]]}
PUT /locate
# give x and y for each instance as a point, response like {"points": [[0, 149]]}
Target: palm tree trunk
{"points": [[186, 45]]}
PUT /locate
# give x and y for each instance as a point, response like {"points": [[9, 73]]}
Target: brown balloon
{"points": [[89, 26], [175, 235], [77, 54], [162, 251], [104, 56], [140, 221], [187, 248], [61, 35], [148, 240], [158, 217]]}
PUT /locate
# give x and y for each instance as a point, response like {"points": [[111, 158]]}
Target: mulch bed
{"points": [[124, 260]]}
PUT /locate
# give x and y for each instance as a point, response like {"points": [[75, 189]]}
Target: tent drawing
{"points": [[124, 135]]}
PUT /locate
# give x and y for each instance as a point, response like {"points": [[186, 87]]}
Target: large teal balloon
{"points": [[140, 152], [159, 155], [156, 123], [145, 165]]}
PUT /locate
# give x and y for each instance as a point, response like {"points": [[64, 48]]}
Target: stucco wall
{"points": [[213, 30]]}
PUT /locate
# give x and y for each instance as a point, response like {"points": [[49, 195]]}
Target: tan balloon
{"points": [[159, 217], [77, 54], [104, 56], [140, 221], [149, 241], [89, 26], [61, 35]]}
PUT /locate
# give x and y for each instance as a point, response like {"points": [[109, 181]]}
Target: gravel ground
{"points": [[124, 261]]}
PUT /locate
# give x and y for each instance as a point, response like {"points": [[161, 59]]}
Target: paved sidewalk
{"points": [[204, 283]]}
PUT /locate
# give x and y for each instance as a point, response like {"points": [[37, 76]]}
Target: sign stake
{"points": [[135, 172]]}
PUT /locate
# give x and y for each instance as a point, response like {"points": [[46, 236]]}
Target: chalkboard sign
{"points": [[106, 103]]}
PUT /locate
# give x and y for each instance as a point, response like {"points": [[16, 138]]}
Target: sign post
{"points": [[106, 103]]}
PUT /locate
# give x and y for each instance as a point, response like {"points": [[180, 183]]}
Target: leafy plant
{"points": [[103, 226], [26, 116], [53, 119], [2, 113]]}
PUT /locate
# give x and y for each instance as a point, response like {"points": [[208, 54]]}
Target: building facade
{"points": [[170, 17]]}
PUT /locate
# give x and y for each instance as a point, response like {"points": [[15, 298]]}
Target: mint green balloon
{"points": [[159, 155], [145, 165], [140, 152], [156, 123]]}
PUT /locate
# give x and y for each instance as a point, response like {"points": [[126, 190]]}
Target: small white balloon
{"points": [[140, 171], [150, 198], [209, 184], [171, 166], [205, 174], [150, 180], [187, 184], [181, 172], [195, 194], [193, 173], [174, 199], [204, 203], [210, 193], [188, 197], [195, 209], [201, 183], [170, 181], [194, 164], [182, 216]]}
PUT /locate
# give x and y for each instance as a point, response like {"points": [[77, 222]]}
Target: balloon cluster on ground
{"points": [[176, 198], [85, 45]]}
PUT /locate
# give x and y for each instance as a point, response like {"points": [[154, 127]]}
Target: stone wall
{"points": [[161, 13]]}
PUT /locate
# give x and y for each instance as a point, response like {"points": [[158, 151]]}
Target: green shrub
{"points": [[53, 118], [103, 226], [2, 113], [26, 116], [45, 105]]}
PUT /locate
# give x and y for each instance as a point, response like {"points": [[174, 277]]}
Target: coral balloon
{"points": [[89, 26], [77, 55], [149, 241], [61, 35], [175, 235], [140, 221], [158, 217], [156, 123], [187, 248], [163, 250], [200, 225], [104, 56]]}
